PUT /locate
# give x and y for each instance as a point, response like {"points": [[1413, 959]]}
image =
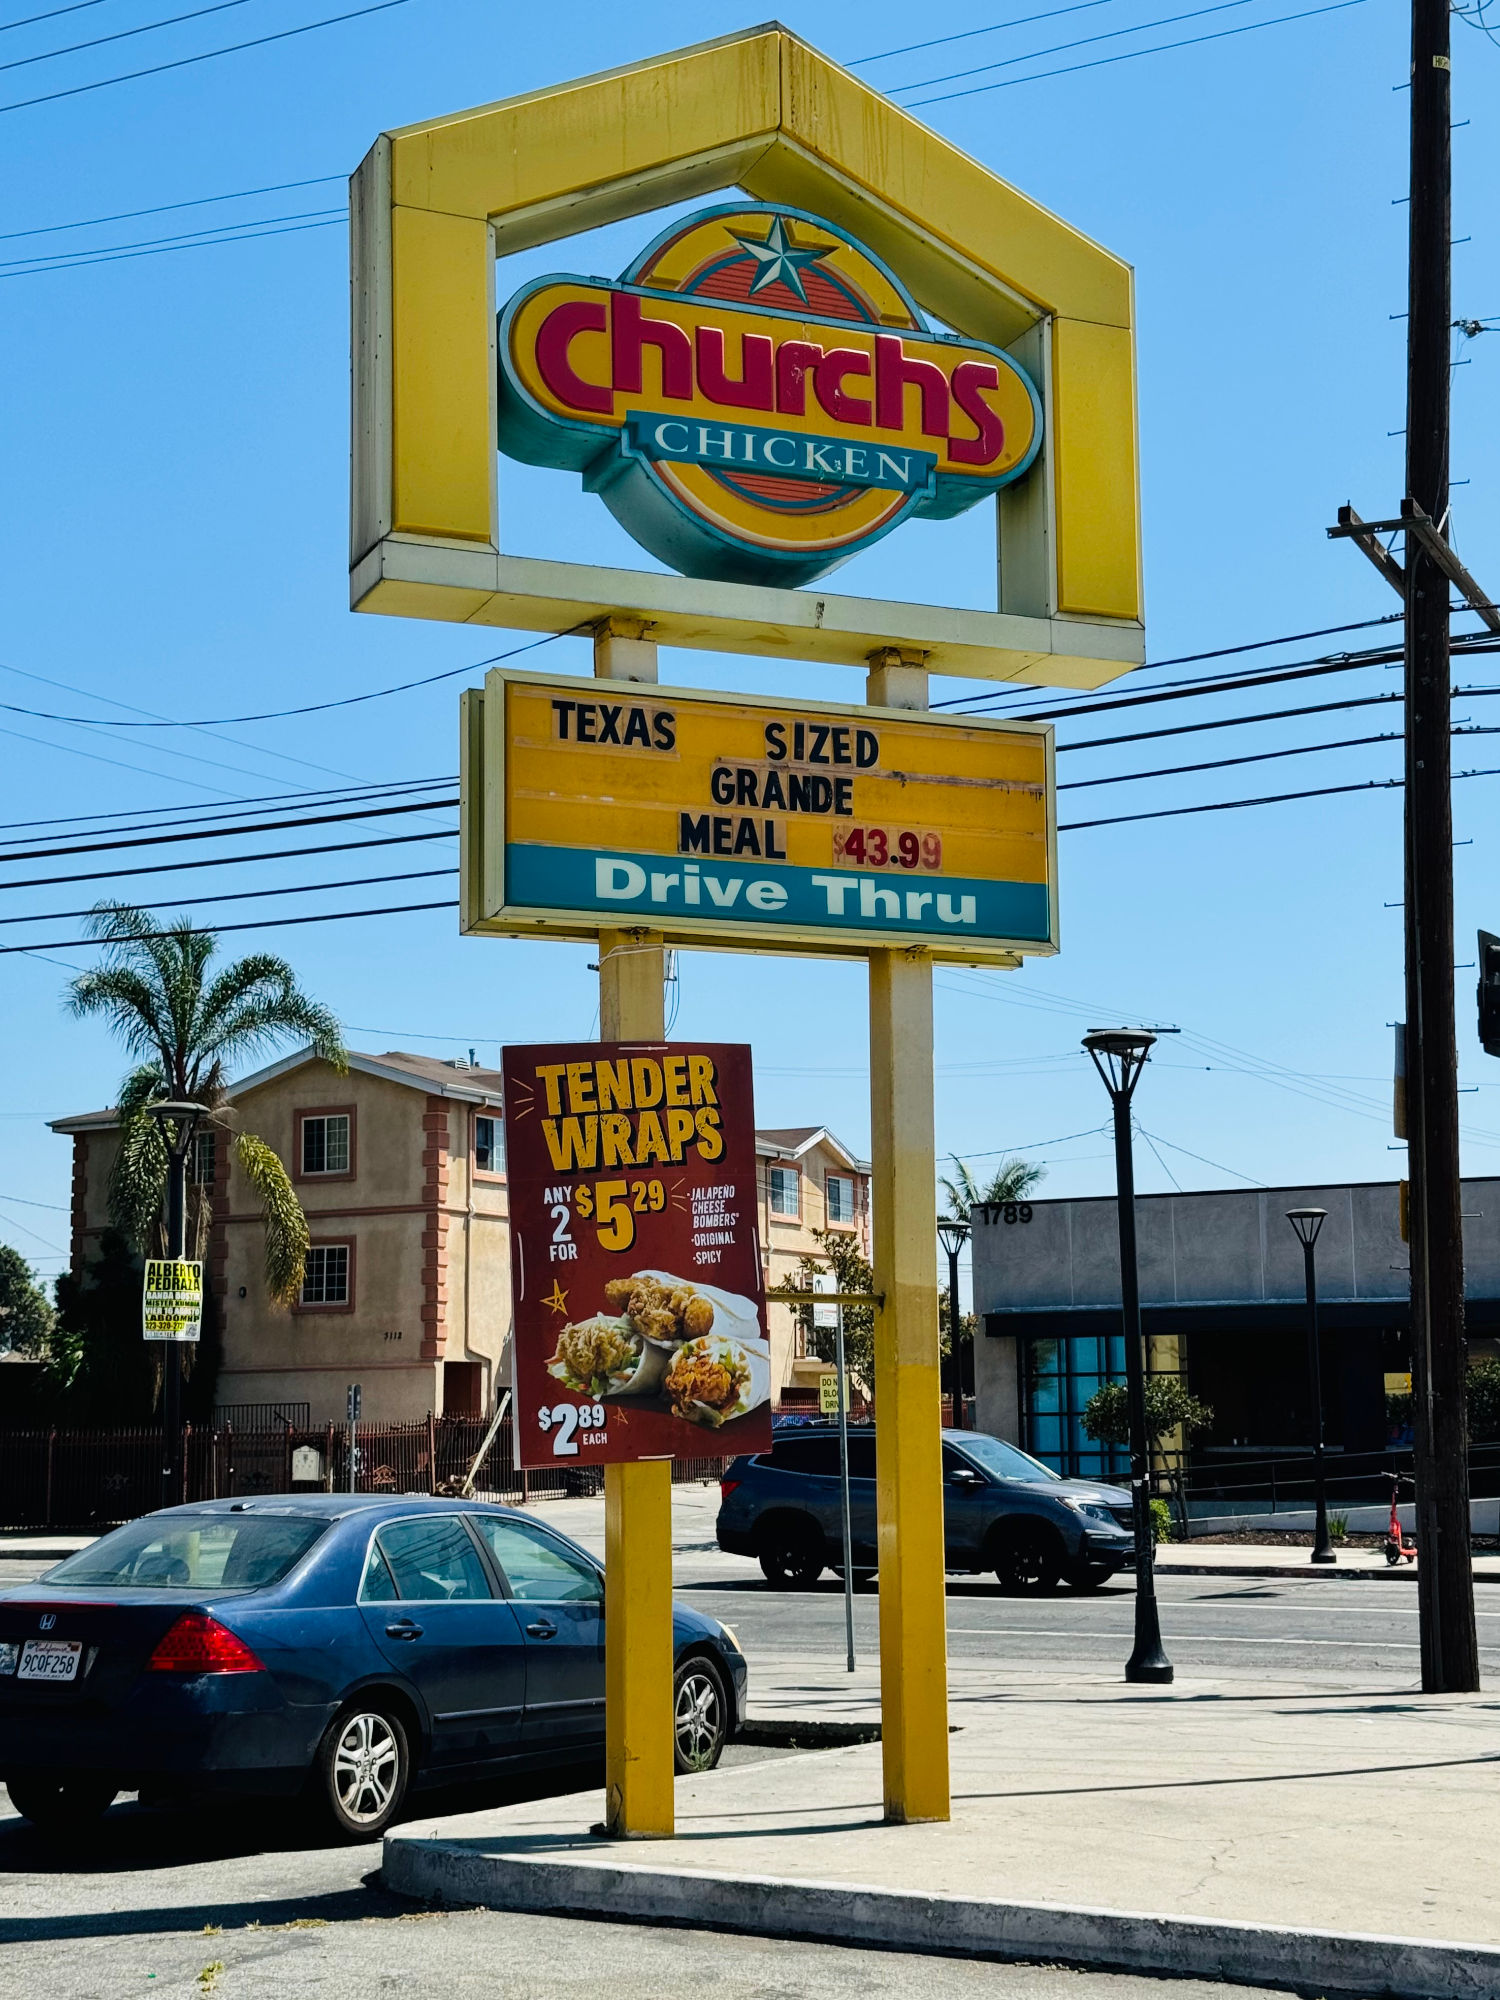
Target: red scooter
{"points": [[1397, 1548]]}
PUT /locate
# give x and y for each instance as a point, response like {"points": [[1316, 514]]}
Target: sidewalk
{"points": [[1293, 1835]]}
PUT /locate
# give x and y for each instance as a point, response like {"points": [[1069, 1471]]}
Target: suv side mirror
{"points": [[964, 1475]]}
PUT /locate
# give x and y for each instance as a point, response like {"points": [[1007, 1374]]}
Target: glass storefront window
{"points": [[1058, 1378]]}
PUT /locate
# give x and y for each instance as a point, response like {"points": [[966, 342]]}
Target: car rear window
{"points": [[806, 1454], [193, 1552]]}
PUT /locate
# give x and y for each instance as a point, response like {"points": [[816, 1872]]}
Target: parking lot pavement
{"points": [[237, 1906]]}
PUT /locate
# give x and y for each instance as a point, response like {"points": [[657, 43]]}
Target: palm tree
{"points": [[184, 1031], [1012, 1180]]}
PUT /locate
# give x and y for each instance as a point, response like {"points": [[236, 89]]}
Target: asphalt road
{"points": [[1361, 1631], [155, 1901]]}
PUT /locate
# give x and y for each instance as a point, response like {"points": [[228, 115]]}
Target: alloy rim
{"points": [[698, 1723], [366, 1766]]}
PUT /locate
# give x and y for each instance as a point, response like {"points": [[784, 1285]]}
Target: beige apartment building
{"points": [[400, 1168]]}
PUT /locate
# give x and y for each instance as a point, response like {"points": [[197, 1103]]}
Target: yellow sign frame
{"points": [[432, 205], [483, 833]]}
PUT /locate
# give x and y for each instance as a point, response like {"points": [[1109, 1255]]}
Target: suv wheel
{"points": [[791, 1554], [1027, 1560], [362, 1771], [61, 1804], [1089, 1576], [700, 1716]]}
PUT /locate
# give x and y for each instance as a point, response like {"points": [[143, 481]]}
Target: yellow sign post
{"points": [[874, 328]]}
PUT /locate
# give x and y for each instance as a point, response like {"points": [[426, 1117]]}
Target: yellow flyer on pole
{"points": [[172, 1299]]}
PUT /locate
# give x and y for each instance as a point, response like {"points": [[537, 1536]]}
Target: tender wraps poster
{"points": [[640, 1319]]}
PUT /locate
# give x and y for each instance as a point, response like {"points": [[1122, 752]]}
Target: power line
{"points": [[1130, 55], [1084, 41], [229, 860], [1273, 799], [248, 234], [245, 895], [161, 207], [311, 708], [52, 14], [970, 34], [208, 55], [1230, 722], [204, 813], [217, 930], [214, 833], [229, 232], [122, 35], [1222, 763]]}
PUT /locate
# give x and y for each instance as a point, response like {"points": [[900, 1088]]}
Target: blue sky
{"points": [[174, 509]]}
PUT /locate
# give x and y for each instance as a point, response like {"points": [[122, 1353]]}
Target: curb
{"points": [[1323, 1573], [1308, 1961], [764, 1733]]}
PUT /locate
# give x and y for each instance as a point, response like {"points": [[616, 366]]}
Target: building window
{"points": [[202, 1159], [1058, 1376], [325, 1143], [786, 1192], [325, 1282], [839, 1190], [489, 1146]]}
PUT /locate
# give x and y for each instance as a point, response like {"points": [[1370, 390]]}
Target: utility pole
{"points": [[1450, 1654], [1445, 1593]]}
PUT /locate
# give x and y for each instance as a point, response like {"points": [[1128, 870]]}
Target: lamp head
{"points": [[953, 1234], [177, 1118], [1307, 1222], [1119, 1055]]}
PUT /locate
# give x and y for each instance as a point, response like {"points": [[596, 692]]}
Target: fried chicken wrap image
{"points": [[606, 1356], [670, 1310], [714, 1379]]}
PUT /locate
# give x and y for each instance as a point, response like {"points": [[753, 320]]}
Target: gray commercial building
{"points": [[1222, 1304]]}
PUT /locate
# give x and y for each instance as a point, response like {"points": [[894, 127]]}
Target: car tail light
{"points": [[198, 1644], [726, 1487]]}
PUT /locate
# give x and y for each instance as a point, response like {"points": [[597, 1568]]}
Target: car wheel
{"points": [[791, 1555], [700, 1715], [362, 1771], [1089, 1576], [61, 1805], [1027, 1560]]}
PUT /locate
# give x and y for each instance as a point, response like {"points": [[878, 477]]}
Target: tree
{"points": [[184, 1030], [25, 1315], [1012, 1180], [852, 1272], [1169, 1409]]}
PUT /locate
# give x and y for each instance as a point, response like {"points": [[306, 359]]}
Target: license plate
{"points": [[50, 1660]]}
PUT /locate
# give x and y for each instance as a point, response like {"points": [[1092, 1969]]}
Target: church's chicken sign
{"points": [[758, 397]]}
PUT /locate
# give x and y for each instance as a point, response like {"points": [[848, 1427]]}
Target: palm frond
{"points": [[257, 1001], [962, 1190], [138, 1178], [285, 1224]]}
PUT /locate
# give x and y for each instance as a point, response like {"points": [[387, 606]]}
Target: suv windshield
{"points": [[193, 1552], [1004, 1460]]}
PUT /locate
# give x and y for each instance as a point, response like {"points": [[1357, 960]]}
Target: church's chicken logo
{"points": [[758, 397]]}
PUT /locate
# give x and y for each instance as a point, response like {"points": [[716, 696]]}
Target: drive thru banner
{"points": [[640, 1318]]}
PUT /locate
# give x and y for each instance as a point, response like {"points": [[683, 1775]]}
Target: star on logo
{"points": [[557, 1298], [779, 258]]}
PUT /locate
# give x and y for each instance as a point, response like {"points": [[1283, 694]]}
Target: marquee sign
{"points": [[759, 397], [744, 820]]}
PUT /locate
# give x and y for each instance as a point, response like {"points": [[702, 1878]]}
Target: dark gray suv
{"points": [[1002, 1511]]}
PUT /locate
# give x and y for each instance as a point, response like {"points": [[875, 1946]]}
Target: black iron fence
{"points": [[60, 1477], [1268, 1483]]}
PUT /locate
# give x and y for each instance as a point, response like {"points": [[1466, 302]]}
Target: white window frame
{"points": [[321, 1251], [325, 1119], [847, 1212], [497, 1142], [794, 1179]]}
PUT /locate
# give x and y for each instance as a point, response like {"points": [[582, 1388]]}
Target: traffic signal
{"points": [[1489, 992]]}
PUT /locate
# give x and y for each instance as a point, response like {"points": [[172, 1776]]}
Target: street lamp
{"points": [[178, 1120], [1307, 1222], [1119, 1056], [954, 1235]]}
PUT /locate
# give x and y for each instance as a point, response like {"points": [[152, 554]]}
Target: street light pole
{"points": [[1119, 1056], [1307, 1222], [954, 1235], [178, 1122]]}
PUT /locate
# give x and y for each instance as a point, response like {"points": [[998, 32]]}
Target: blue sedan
{"points": [[346, 1647]]}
